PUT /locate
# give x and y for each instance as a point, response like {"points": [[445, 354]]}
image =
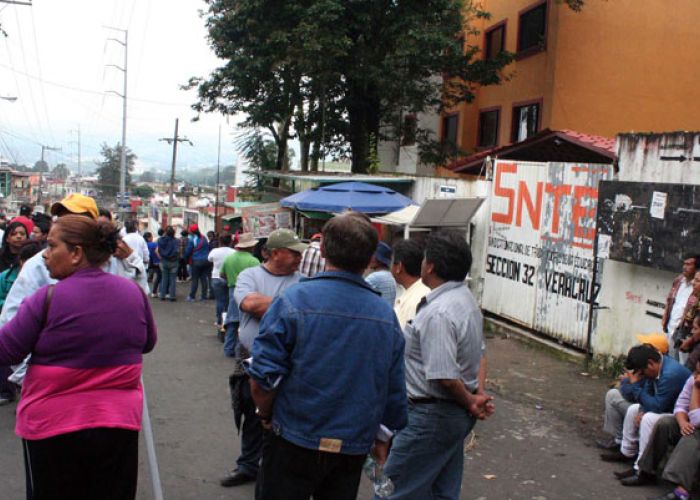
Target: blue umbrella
{"points": [[356, 196]]}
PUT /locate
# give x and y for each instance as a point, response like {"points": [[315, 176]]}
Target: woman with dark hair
{"points": [[7, 278], [82, 399], [15, 235]]}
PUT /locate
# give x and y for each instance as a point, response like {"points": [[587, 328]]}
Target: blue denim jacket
{"points": [[334, 351]]}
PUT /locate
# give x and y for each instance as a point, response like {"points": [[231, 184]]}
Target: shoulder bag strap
{"points": [[47, 304]]}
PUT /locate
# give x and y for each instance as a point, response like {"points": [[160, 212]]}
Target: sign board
{"points": [[448, 191], [540, 249], [261, 220], [650, 224]]}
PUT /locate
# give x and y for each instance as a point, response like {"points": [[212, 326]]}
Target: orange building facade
{"points": [[616, 66]]}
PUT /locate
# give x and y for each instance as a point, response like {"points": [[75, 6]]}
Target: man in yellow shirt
{"points": [[405, 267]]}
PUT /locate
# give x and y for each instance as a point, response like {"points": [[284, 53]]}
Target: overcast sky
{"points": [[55, 61]]}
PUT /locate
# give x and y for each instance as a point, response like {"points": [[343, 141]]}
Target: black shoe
{"points": [[625, 473], [668, 496], [236, 478], [616, 456], [607, 444], [639, 479]]}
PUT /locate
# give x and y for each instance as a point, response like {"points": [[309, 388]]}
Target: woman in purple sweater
{"points": [[80, 410]]}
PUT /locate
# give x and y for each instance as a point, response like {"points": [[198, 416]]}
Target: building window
{"points": [[495, 41], [409, 130], [532, 29], [526, 120], [449, 129], [488, 128]]}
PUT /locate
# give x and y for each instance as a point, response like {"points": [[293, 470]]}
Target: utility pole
{"points": [[122, 160], [41, 174], [174, 140], [216, 189]]}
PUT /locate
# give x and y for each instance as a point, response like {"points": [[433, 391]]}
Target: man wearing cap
{"points": [[681, 430], [381, 279], [312, 262], [678, 299], [652, 385], [256, 288], [234, 264], [327, 371]]}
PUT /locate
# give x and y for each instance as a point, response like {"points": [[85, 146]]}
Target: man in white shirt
{"points": [[218, 284], [405, 268], [681, 291], [136, 241]]}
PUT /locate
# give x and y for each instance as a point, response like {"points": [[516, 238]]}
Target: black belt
{"points": [[421, 401]]}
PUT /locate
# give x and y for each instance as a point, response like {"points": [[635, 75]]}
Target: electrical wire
{"points": [[89, 91], [41, 86], [29, 85]]}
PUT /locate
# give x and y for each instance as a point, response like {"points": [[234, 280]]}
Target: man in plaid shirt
{"points": [[312, 262]]}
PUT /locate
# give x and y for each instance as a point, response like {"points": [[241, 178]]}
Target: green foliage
{"points": [[40, 166], [144, 191], [337, 71], [61, 171], [108, 169], [148, 176]]}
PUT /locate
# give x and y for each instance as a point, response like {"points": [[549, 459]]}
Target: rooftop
{"points": [[566, 146]]}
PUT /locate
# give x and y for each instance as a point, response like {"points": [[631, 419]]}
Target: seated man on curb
{"points": [[617, 404], [679, 430], [654, 382]]}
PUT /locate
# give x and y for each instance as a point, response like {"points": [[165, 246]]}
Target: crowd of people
{"points": [[78, 360], [653, 417], [343, 347]]}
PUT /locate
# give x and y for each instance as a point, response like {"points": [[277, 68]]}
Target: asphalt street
{"points": [[537, 446]]}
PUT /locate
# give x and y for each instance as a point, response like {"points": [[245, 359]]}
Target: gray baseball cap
{"points": [[285, 238]]}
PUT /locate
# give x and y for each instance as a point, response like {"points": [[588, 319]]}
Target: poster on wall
{"points": [[650, 224], [539, 258], [261, 220]]}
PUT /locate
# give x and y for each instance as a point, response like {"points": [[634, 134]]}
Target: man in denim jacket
{"points": [[327, 370]]}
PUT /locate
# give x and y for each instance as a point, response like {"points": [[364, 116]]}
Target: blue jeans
{"points": [[167, 286], [232, 322], [427, 456], [220, 289], [199, 274]]}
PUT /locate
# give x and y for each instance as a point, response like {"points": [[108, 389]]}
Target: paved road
{"points": [[521, 453]]}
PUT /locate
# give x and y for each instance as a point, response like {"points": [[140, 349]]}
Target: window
{"points": [[495, 41], [449, 129], [409, 130], [526, 119], [532, 29], [488, 128]]}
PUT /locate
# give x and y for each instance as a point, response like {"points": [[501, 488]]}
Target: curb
{"points": [[529, 338]]}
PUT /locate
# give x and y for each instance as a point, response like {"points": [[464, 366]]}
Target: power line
{"points": [[29, 85], [89, 91], [41, 86]]}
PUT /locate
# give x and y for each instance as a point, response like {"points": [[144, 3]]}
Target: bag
{"points": [[679, 335]]}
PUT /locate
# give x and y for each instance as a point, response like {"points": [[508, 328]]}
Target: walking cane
{"points": [[151, 448]]}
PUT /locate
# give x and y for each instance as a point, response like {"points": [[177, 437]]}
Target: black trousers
{"points": [[295, 473], [91, 464]]}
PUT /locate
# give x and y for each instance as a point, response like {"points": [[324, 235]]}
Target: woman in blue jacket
{"points": [[198, 251]]}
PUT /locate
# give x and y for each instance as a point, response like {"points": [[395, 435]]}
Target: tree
{"points": [[40, 166], [148, 176], [144, 191], [108, 169], [61, 171], [337, 73]]}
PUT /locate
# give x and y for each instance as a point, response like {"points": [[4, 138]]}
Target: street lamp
{"points": [[8, 98]]}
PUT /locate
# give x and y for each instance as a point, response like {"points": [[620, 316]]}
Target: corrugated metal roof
{"points": [[547, 145]]}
